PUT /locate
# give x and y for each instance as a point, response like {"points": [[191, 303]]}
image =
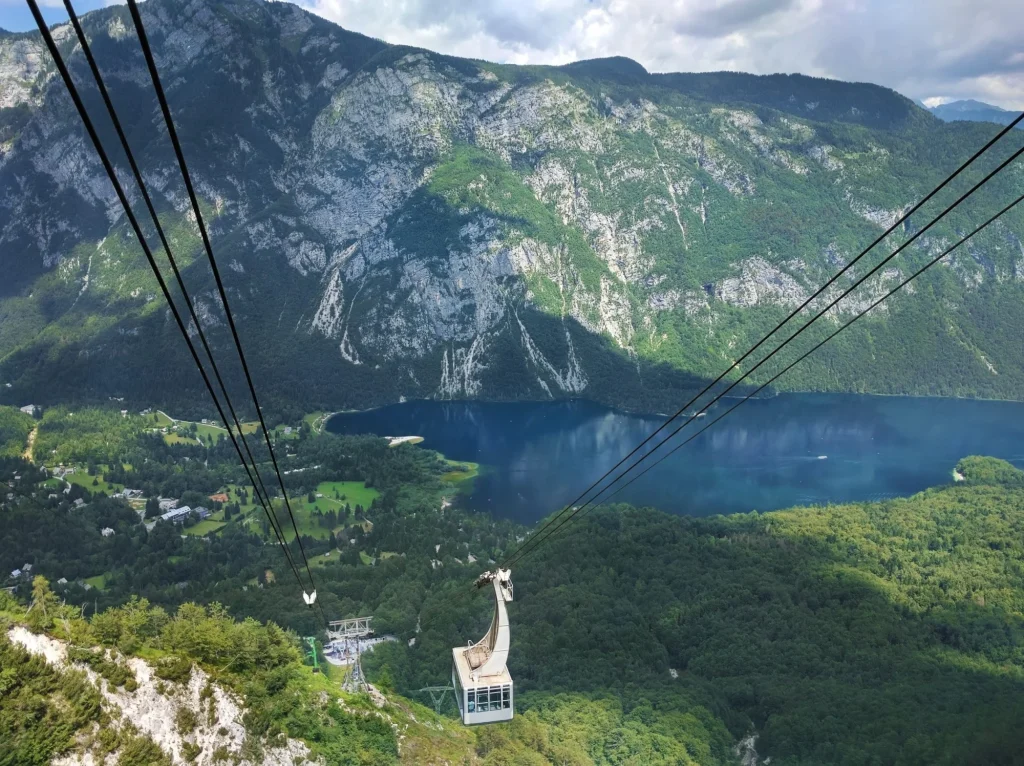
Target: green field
{"points": [[279, 433], [352, 492], [159, 420], [99, 581], [204, 528], [316, 420], [83, 479], [216, 433], [307, 513], [319, 562], [231, 490], [203, 430], [461, 470], [176, 438]]}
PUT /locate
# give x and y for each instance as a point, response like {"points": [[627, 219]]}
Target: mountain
{"points": [[973, 111], [394, 223]]}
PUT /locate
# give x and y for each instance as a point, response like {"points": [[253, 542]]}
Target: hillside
{"points": [[422, 226], [861, 633]]}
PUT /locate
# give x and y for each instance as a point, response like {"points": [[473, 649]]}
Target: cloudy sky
{"points": [[934, 50]]}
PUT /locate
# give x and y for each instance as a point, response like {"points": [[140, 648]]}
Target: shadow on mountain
{"points": [[142, 359]]}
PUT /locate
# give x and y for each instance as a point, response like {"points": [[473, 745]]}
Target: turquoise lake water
{"points": [[793, 449]]}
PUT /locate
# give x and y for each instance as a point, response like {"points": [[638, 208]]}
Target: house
{"points": [[26, 568], [62, 581], [177, 515], [167, 503], [52, 496], [124, 413], [202, 513], [79, 502], [15, 573], [129, 494], [29, 409], [220, 497], [107, 531], [287, 430]]}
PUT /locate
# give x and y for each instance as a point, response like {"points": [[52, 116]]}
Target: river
{"points": [[793, 449]]}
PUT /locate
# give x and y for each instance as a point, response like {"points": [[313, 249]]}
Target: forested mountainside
{"points": [[393, 222], [854, 634]]}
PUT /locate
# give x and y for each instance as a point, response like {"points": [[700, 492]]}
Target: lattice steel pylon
{"points": [[438, 694]]}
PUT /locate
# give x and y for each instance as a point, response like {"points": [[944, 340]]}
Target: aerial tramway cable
{"points": [[72, 90], [799, 359], [122, 197], [560, 519], [792, 314], [98, 77], [183, 166]]}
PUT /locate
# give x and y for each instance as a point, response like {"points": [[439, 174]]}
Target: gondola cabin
{"points": [[483, 686]]}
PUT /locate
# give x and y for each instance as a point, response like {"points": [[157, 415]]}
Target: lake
{"points": [[793, 449]]}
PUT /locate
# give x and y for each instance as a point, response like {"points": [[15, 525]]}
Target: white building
{"points": [[177, 515], [107, 531]]}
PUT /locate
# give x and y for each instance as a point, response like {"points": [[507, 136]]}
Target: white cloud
{"points": [[923, 48]]}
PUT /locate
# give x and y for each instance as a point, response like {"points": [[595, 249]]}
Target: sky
{"points": [[932, 50]]}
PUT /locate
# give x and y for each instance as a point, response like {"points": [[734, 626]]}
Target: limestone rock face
{"points": [[152, 708], [450, 228]]}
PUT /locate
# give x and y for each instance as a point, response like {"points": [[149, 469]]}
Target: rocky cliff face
{"points": [[194, 722], [406, 224]]}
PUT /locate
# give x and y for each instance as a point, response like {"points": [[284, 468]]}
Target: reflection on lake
{"points": [[789, 450]]}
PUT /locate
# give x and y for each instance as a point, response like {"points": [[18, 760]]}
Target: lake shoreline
{"points": [[326, 417], [541, 455]]}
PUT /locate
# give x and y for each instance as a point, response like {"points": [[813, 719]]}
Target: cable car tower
{"points": [[483, 686]]}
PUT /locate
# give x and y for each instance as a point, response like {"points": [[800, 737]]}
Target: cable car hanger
{"points": [[483, 685]]}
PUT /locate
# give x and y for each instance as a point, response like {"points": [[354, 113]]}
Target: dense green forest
{"points": [[14, 430], [856, 634]]}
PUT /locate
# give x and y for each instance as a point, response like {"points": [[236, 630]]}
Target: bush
{"points": [[176, 669], [185, 720], [190, 752]]}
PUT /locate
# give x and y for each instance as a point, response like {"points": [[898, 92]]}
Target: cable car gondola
{"points": [[483, 686]]}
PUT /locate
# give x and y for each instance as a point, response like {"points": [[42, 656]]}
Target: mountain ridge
{"points": [[973, 111], [398, 223]]}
